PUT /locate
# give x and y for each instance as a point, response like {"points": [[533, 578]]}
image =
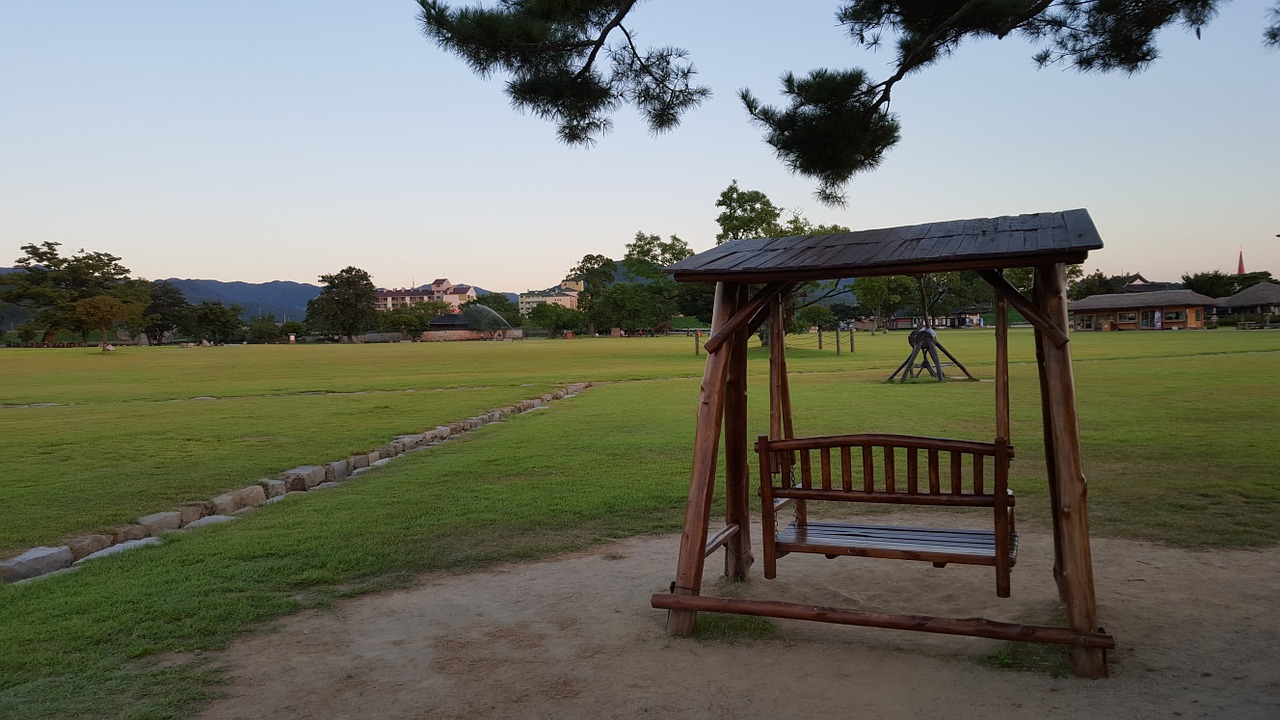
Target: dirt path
{"points": [[1199, 636]]}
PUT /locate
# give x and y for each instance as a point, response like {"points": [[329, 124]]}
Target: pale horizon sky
{"points": [[281, 141]]}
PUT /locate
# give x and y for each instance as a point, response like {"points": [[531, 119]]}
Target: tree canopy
{"points": [[101, 312], [168, 311], [347, 303], [1217, 284], [215, 322], [575, 62], [51, 284]]}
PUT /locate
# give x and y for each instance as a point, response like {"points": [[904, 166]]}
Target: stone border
{"points": [[40, 561]]}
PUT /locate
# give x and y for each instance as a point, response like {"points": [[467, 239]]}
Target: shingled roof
{"points": [[1263, 293], [1133, 301], [981, 243]]}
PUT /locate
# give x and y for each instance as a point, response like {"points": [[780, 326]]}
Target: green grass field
{"points": [[1177, 428]]}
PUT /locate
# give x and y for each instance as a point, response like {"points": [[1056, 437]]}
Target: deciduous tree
{"points": [[556, 319], [746, 214], [102, 313], [347, 304], [51, 285], [168, 311], [215, 322], [882, 296], [263, 329]]}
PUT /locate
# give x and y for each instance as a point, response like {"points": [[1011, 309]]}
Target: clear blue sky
{"points": [[248, 140]]}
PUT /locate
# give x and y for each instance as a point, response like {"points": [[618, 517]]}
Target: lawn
{"points": [[1177, 429]]}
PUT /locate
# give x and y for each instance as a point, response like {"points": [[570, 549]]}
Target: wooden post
{"points": [[702, 481], [1071, 536], [819, 338], [837, 340], [1002, 368], [697, 343], [737, 557], [778, 377]]}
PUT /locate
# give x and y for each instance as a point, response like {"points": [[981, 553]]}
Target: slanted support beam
{"points": [[706, 444], [1068, 489], [742, 315], [1030, 311]]}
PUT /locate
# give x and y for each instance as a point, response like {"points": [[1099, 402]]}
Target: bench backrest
{"points": [[886, 469]]}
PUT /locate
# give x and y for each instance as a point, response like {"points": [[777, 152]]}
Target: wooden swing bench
{"points": [[911, 471]]}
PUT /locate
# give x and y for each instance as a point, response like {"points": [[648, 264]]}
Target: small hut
{"points": [[877, 467]]}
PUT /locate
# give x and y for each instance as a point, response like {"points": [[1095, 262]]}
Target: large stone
{"points": [[212, 520], [161, 521], [409, 442], [193, 511], [36, 561], [252, 496], [340, 469], [226, 503], [88, 545], [374, 457], [125, 533], [274, 488], [311, 475], [118, 548], [359, 461], [443, 432]]}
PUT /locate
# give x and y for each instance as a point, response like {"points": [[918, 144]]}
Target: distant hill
{"points": [[480, 292], [281, 298]]}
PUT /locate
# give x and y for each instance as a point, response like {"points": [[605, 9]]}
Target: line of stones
{"points": [[227, 506]]}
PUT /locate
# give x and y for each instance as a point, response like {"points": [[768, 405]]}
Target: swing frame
{"points": [[1046, 242]]}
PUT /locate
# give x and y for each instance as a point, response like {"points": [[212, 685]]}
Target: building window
{"points": [[1175, 315], [1198, 318], [1127, 317], [1085, 322]]}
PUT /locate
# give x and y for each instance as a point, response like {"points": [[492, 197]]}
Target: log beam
{"points": [[742, 316], [973, 627], [706, 446], [737, 470], [1029, 310], [1069, 489]]}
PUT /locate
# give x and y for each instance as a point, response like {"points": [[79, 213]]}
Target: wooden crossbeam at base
{"points": [[975, 627]]}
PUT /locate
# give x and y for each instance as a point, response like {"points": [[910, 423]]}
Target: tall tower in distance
{"points": [[1240, 267]]}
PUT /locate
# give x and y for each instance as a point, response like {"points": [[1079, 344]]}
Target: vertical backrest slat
{"points": [[913, 472], [868, 470], [826, 468], [934, 486], [978, 463], [888, 468], [806, 470], [846, 469], [957, 486]]}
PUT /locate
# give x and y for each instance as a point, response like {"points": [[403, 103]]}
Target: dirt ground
{"points": [[574, 637]]}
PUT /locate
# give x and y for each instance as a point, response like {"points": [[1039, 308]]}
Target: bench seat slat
{"points": [[975, 547]]}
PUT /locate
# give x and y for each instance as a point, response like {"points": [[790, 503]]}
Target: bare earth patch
{"points": [[1198, 633]]}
